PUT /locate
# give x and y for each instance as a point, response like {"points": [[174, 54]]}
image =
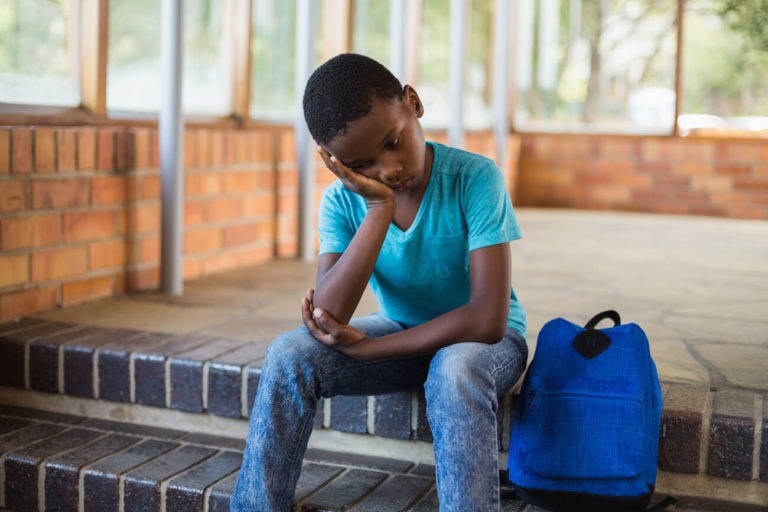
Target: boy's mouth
{"points": [[402, 185]]}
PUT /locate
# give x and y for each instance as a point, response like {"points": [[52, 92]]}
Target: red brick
{"points": [[202, 240], [258, 205], [124, 150], [225, 209], [142, 144], [86, 149], [149, 249], [45, 150], [195, 212], [240, 235], [142, 187], [58, 263], [192, 268], [109, 190], [142, 219], [14, 270], [190, 149], [66, 149], [109, 254], [750, 184], [5, 151], [203, 184], [26, 302], [13, 195], [89, 225], [34, 231], [217, 147], [86, 290], [219, 262], [143, 279], [239, 182], [229, 147], [21, 154], [203, 140], [105, 150], [60, 193]]}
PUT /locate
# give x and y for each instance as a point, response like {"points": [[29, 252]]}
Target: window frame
{"points": [[93, 25]]}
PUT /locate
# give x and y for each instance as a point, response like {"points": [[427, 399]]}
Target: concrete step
{"points": [[713, 443]]}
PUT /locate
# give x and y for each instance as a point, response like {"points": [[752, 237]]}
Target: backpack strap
{"points": [[610, 314]]}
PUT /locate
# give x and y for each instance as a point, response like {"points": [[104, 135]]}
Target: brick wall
{"points": [[695, 176], [80, 209], [80, 206]]}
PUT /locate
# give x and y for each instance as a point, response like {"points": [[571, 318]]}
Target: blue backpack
{"points": [[586, 424]]}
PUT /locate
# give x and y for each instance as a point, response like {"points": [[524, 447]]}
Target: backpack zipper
{"points": [[535, 396]]}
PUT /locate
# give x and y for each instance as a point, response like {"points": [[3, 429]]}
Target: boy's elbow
{"points": [[494, 327]]}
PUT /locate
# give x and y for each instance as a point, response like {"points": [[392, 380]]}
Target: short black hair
{"points": [[342, 90]]}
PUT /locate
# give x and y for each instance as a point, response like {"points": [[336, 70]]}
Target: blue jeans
{"points": [[462, 384]]}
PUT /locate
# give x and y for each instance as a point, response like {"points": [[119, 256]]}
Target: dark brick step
{"points": [[60, 462], [81, 463], [219, 376]]}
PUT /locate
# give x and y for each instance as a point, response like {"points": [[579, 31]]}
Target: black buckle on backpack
{"points": [[591, 342]]}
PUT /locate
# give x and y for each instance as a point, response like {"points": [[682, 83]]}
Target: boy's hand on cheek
{"points": [[374, 192], [328, 331]]}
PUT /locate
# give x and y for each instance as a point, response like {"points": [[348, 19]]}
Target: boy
{"points": [[428, 226]]}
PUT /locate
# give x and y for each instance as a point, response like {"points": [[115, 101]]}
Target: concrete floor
{"points": [[698, 287]]}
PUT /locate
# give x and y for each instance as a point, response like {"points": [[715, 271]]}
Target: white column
{"points": [[457, 72], [305, 156], [501, 31], [397, 31], [171, 130]]}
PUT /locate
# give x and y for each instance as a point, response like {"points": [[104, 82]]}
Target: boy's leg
{"points": [[462, 390], [298, 370]]}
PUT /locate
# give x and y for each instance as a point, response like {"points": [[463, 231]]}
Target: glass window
{"points": [[371, 29], [39, 60], [273, 51], [596, 65], [432, 80], [134, 73], [478, 85], [725, 68]]}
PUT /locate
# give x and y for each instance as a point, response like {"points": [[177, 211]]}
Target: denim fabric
{"points": [[462, 384]]}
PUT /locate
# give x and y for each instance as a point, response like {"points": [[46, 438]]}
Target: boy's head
{"points": [[342, 90]]}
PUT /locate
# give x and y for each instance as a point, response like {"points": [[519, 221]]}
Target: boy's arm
{"points": [[342, 278], [482, 319]]}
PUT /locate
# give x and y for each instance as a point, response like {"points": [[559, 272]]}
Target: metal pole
{"points": [[501, 24], [305, 156], [171, 129], [397, 38], [457, 72]]}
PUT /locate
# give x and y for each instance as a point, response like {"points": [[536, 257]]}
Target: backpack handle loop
{"points": [[610, 314]]}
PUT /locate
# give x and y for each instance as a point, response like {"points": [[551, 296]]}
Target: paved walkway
{"points": [[698, 286]]}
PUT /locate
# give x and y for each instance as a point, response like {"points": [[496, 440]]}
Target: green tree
{"points": [[749, 17]]}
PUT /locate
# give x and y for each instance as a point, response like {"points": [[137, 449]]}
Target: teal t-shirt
{"points": [[423, 272]]}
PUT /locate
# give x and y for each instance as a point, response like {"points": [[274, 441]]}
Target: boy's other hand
{"points": [[326, 329], [374, 192]]}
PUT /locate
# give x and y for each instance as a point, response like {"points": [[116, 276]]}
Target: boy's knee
{"points": [[454, 370]]}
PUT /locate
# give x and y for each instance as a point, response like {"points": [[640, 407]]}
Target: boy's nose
{"points": [[391, 174]]}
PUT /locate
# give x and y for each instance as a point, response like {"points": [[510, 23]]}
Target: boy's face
{"points": [[386, 145]]}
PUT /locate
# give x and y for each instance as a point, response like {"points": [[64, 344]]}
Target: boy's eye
{"points": [[392, 144], [359, 167]]}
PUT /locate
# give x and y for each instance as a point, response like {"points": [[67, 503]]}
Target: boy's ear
{"points": [[412, 98]]}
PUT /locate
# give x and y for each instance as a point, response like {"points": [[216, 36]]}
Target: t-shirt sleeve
{"points": [[333, 225], [490, 216]]}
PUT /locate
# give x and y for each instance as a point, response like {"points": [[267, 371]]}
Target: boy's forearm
{"points": [[467, 323], [339, 288]]}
